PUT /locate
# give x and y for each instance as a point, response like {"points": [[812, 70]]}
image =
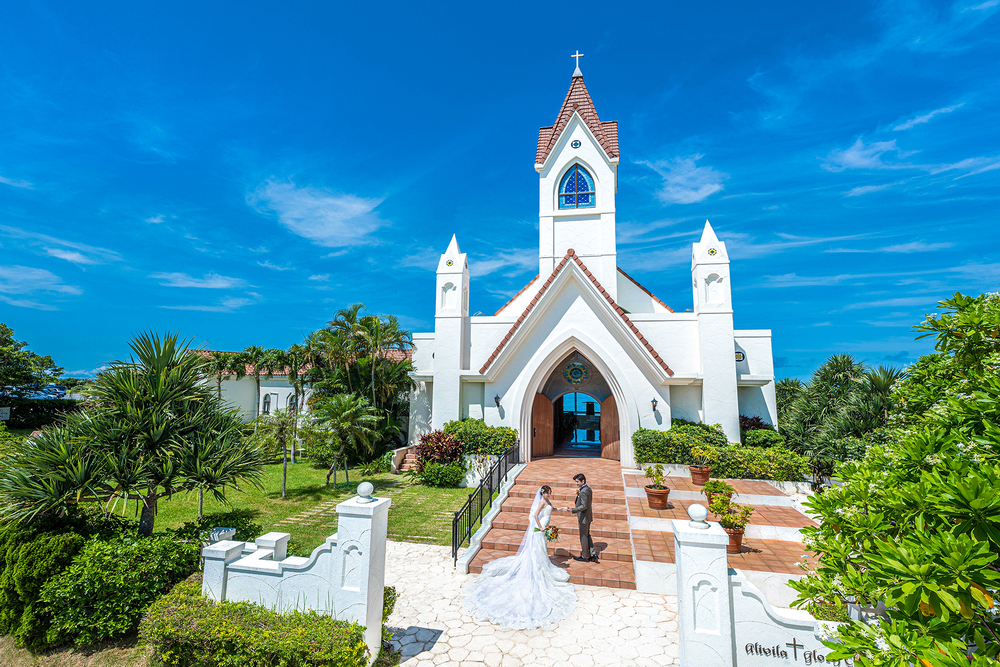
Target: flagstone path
{"points": [[610, 627]]}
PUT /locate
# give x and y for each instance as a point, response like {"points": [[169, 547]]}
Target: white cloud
{"points": [[79, 253], [16, 183], [919, 120], [510, 263], [863, 156], [87, 373], [929, 301], [985, 5], [268, 265], [155, 220], [684, 182], [324, 277], [16, 281], [210, 281], [324, 217], [225, 306], [867, 189], [912, 246]]}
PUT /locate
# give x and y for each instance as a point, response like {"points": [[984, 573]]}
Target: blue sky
{"points": [[239, 171]]}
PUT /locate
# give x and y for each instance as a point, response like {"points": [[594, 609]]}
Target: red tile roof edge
{"points": [[653, 296], [520, 292], [571, 254], [578, 99], [395, 355]]}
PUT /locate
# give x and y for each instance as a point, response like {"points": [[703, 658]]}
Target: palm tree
{"points": [[156, 428], [277, 429], [344, 343], [219, 364], [253, 356], [350, 422], [295, 357]]}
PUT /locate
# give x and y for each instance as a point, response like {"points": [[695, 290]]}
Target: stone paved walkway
{"points": [[610, 626]]}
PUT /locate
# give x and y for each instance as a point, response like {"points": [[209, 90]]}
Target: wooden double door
{"points": [[543, 428]]}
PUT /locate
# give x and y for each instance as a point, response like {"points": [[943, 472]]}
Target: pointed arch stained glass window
{"points": [[576, 189]]}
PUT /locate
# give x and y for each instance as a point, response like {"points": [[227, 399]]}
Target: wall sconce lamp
{"points": [[654, 404], [497, 400]]}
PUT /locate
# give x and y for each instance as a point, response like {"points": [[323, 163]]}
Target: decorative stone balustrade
{"points": [[343, 577]]}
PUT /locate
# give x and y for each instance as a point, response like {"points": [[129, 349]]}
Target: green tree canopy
{"points": [[20, 368]]}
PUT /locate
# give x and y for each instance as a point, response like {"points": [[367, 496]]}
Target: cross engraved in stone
{"points": [[795, 646]]}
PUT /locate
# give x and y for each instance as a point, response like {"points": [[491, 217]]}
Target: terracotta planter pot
{"points": [[700, 474], [735, 541], [657, 498]]}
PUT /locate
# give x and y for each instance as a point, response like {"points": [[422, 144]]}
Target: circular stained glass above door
{"points": [[576, 373]]}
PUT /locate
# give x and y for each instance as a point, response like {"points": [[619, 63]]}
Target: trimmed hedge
{"points": [[764, 438], [437, 446], [35, 413], [444, 475], [674, 446], [775, 463], [734, 462], [478, 439], [111, 583], [187, 630]]}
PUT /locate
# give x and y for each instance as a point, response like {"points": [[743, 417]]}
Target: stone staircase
{"points": [[409, 460], [609, 530]]}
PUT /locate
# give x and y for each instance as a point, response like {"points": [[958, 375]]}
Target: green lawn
{"points": [[418, 513]]}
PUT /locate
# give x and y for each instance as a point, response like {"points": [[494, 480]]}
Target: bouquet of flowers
{"points": [[551, 533]]}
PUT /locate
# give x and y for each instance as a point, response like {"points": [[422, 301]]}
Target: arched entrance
{"points": [[574, 413]]}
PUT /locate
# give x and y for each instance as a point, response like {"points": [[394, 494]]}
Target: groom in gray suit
{"points": [[584, 516]]}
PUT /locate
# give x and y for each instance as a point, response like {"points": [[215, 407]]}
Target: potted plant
{"points": [[657, 492], [717, 487], [733, 518], [700, 471]]}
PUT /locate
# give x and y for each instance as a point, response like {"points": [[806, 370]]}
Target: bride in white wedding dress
{"points": [[525, 590]]}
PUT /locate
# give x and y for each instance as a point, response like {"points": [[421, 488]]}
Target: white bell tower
{"points": [[451, 333], [713, 306]]}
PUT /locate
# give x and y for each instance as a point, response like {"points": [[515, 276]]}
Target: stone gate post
{"points": [[704, 606]]}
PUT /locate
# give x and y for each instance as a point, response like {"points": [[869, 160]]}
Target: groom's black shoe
{"points": [[581, 559], [593, 559]]}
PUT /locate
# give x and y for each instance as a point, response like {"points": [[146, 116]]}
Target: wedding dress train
{"points": [[525, 590]]}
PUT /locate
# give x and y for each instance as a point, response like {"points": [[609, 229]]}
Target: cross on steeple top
{"points": [[577, 55]]}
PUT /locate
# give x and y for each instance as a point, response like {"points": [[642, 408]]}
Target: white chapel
{"points": [[584, 355]]}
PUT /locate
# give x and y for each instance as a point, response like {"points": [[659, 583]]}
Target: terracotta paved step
{"points": [[562, 497], [610, 574], [601, 510], [746, 487], [757, 555], [613, 549], [566, 522], [530, 478], [763, 515]]}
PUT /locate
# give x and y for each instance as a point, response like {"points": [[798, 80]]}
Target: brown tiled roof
{"points": [[578, 100], [520, 292], [571, 255], [653, 296]]}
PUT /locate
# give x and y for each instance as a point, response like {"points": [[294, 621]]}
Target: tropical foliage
{"points": [[347, 428], [842, 399], [156, 428], [916, 523], [21, 369], [479, 439]]}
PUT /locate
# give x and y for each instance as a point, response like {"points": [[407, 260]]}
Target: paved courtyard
{"points": [[609, 627]]}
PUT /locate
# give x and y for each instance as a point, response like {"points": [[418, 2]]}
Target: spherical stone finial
{"points": [[365, 490], [698, 514]]}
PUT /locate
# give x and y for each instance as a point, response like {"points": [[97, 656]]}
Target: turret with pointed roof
{"points": [[578, 100]]}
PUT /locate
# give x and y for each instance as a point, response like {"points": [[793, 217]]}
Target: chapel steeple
{"points": [[578, 100]]}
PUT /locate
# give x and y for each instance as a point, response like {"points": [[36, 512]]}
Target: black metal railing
{"points": [[481, 500]]}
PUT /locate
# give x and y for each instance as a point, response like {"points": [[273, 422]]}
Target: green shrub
{"points": [[28, 559], [674, 446], [187, 630], [35, 413], [437, 446], [110, 584], [763, 438], [447, 475], [247, 530], [478, 439], [776, 463]]}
